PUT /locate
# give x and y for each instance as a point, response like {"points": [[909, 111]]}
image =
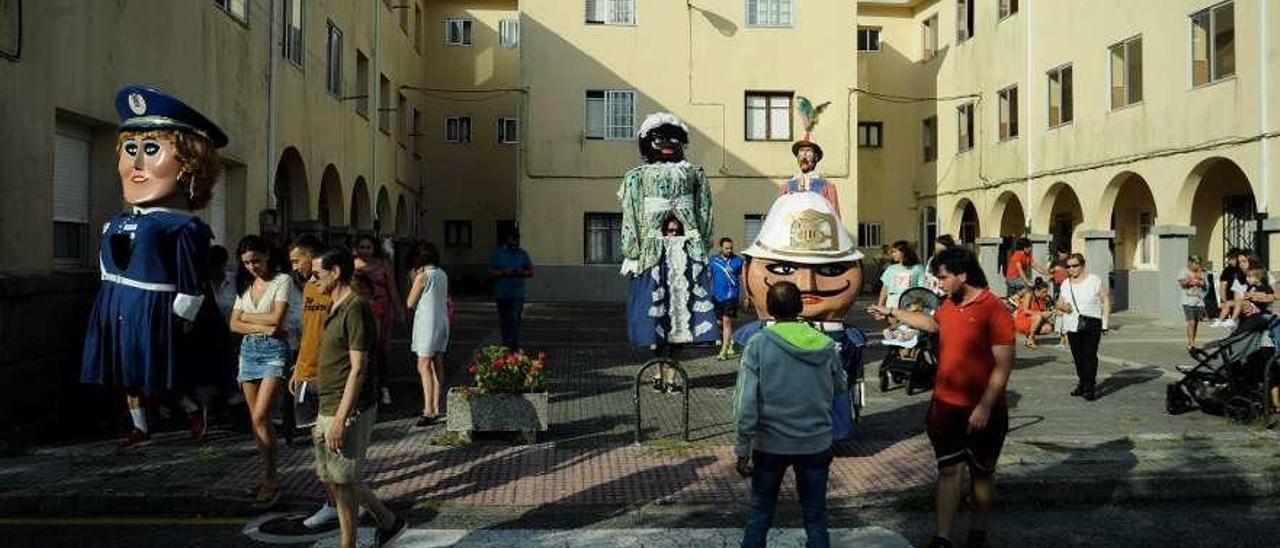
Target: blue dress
{"points": [[153, 265], [670, 303]]}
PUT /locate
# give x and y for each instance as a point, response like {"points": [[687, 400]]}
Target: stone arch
{"points": [[361, 212], [966, 223], [382, 208], [1222, 206], [1061, 215], [330, 208], [1008, 211], [290, 188], [1129, 209], [402, 216]]}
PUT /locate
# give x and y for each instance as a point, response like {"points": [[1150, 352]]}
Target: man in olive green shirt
{"points": [[348, 406]]}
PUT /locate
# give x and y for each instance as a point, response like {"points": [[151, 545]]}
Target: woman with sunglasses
{"points": [[1086, 307]]}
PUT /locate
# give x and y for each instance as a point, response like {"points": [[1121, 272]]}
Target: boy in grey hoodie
{"points": [[790, 373]]}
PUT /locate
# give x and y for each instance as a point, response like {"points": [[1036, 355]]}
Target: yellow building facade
{"points": [[592, 73], [1135, 132]]}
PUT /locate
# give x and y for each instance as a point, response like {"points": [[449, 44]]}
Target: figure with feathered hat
{"points": [[808, 154], [666, 240], [152, 326]]}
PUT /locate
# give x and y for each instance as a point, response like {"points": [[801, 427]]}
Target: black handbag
{"points": [[1086, 323]]}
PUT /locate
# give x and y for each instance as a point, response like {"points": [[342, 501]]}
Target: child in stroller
{"points": [[1232, 376], [913, 357]]}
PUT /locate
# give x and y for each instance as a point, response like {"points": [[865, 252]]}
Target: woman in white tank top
{"points": [[1086, 304]]}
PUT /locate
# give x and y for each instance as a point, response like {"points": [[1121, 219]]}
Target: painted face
{"points": [[807, 159], [149, 169], [827, 290]]}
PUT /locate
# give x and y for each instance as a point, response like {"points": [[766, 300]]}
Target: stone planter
{"points": [[524, 414]]}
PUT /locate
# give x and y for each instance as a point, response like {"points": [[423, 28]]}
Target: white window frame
{"points": [[612, 226], [237, 9], [870, 234], [870, 134], [1210, 47], [508, 130], [1066, 100], [509, 33], [464, 27], [1145, 251], [1007, 105], [868, 39], [965, 127], [769, 13], [616, 105], [1127, 46], [457, 129], [770, 108], [966, 20], [333, 59], [929, 38], [1006, 9], [752, 224], [610, 12], [293, 46], [71, 205]]}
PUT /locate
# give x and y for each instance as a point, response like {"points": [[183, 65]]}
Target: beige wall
{"points": [[1175, 138], [696, 62], [75, 55], [473, 181]]}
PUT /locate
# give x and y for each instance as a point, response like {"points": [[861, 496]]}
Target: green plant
{"points": [[498, 369]]}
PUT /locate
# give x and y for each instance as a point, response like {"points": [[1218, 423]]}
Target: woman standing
{"points": [[905, 273], [259, 315], [428, 298], [1086, 303], [371, 262]]}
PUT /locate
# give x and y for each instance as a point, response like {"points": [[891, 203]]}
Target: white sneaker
{"points": [[325, 515], [386, 396]]}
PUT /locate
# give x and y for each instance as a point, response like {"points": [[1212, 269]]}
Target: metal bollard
{"points": [[684, 381]]}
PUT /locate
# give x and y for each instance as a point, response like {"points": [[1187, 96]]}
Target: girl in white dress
{"points": [[428, 299]]}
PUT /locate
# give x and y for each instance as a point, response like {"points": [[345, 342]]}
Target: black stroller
{"points": [[1231, 375], [911, 362]]}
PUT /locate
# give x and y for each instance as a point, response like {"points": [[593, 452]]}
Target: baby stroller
{"points": [[914, 360], [1231, 375]]}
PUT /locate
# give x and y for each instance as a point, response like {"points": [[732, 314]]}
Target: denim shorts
{"points": [[261, 357]]}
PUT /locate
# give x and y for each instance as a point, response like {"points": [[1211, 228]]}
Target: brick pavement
{"points": [[1123, 443]]}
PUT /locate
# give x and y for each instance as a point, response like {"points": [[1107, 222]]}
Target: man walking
{"points": [[968, 417], [312, 310], [789, 375], [726, 273], [510, 265], [348, 399]]}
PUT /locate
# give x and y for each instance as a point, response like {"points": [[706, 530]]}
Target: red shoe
{"points": [[199, 422], [135, 437]]}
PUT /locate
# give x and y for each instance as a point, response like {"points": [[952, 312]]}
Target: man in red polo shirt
{"points": [[969, 416]]}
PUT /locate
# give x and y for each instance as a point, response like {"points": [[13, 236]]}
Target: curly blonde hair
{"points": [[198, 157]]}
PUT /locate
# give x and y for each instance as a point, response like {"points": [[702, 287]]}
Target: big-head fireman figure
{"points": [[803, 242], [147, 328]]}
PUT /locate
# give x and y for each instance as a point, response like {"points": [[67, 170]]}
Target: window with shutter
{"points": [[71, 196], [620, 109], [595, 114], [509, 33]]}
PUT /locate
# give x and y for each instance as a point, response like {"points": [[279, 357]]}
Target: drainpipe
{"points": [[375, 108], [271, 118], [1264, 121], [1029, 21], [522, 112]]}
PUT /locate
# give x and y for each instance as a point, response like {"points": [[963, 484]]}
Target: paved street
{"points": [[587, 473]]}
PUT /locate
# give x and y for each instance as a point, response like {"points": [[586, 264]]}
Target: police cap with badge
{"points": [[145, 108]]}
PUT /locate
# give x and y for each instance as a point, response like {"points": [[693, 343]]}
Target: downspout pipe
{"points": [[375, 100], [272, 60]]}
